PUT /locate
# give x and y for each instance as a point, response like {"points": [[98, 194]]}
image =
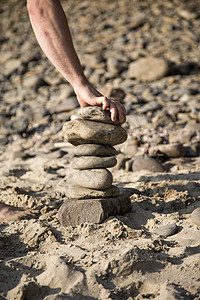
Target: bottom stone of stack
{"points": [[74, 212]]}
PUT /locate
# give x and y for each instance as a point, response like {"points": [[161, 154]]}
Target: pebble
{"points": [[95, 113], [94, 149], [67, 105], [148, 69], [166, 230], [137, 20], [11, 66], [78, 192], [99, 179], [114, 66], [192, 150], [3, 141], [147, 163], [93, 162], [151, 106], [181, 136], [191, 126], [130, 148], [16, 125], [170, 150], [195, 216], [161, 118], [137, 120], [33, 81], [79, 132]]}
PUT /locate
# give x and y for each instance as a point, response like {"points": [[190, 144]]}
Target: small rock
{"points": [[33, 81], [137, 20], [114, 66], [79, 132], [195, 216], [130, 148], [181, 136], [170, 150], [166, 230], [67, 105], [16, 125], [18, 152], [121, 161], [4, 56], [148, 69], [93, 162], [99, 179], [161, 118], [74, 212], [146, 163], [191, 126], [192, 150], [188, 15], [137, 120], [3, 141], [151, 106], [94, 149], [11, 66], [95, 113]]}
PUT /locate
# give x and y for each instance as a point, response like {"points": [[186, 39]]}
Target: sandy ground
{"points": [[122, 258]]}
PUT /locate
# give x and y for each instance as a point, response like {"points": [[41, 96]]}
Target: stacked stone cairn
{"points": [[92, 198]]}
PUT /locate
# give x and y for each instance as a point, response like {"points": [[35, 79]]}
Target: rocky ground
{"points": [[145, 53]]}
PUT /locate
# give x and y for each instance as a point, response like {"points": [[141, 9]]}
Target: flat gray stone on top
{"points": [[74, 212], [93, 162], [79, 192], [166, 230], [79, 132], [99, 179], [96, 113], [94, 150]]}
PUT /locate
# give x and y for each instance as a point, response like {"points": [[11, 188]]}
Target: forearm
{"points": [[50, 25], [52, 32]]}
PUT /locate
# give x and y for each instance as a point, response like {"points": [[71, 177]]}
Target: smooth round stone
{"points": [[79, 132], [148, 69], [195, 216], [99, 179], [166, 230], [79, 192], [93, 162], [146, 163], [94, 150], [95, 113]]}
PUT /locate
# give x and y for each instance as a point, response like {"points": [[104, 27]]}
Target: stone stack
{"points": [[92, 198]]}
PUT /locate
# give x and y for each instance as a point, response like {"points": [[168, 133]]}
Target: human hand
{"points": [[89, 96]]}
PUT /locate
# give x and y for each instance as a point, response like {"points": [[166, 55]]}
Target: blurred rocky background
{"points": [[144, 53]]}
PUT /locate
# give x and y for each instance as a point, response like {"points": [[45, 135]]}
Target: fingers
{"points": [[117, 110], [104, 102], [113, 111]]}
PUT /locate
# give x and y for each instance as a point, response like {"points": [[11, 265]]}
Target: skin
{"points": [[10, 213], [51, 29], [52, 32]]}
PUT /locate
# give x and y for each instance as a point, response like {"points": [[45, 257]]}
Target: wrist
{"points": [[83, 87]]}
